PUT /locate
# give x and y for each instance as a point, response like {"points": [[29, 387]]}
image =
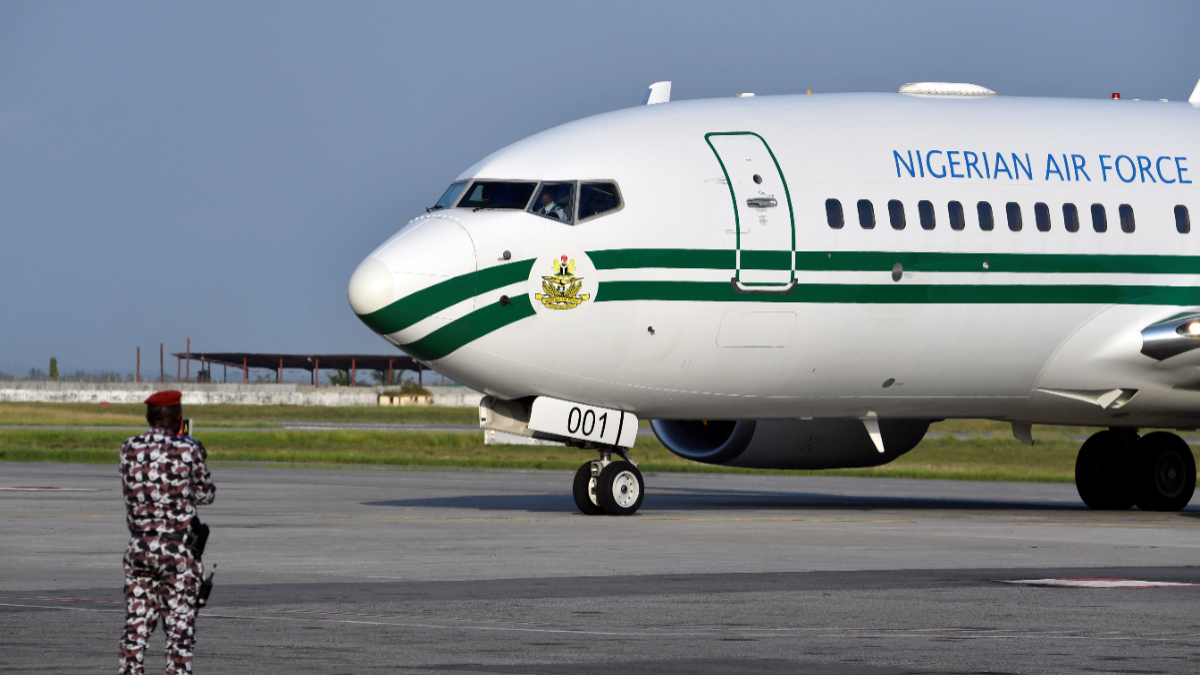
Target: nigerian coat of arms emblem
{"points": [[561, 289]]}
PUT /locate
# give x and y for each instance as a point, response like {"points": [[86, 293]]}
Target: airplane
{"points": [[808, 281]]}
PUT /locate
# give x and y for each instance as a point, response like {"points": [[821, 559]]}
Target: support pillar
{"points": [[317, 373], [390, 376], [162, 373], [245, 372], [189, 360], [138, 376], [178, 369], [353, 372], [281, 370]]}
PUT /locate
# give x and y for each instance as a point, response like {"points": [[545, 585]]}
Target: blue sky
{"points": [[217, 170]]}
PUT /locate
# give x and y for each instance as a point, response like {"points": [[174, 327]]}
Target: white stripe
{"points": [[1097, 583], [884, 277]]}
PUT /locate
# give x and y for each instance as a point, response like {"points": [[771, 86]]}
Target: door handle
{"points": [[761, 202]]}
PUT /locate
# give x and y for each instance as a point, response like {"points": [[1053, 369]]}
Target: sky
{"points": [[217, 170]]}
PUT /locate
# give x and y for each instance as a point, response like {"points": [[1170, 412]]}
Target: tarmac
{"points": [[362, 571]]}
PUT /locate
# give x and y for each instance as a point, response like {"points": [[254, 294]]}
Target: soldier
{"points": [[164, 477]]}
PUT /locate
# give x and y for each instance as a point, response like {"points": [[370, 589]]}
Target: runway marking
{"points": [[1183, 527], [642, 631], [64, 609], [638, 518], [414, 517], [50, 489], [1085, 582], [39, 597], [773, 520], [63, 515]]}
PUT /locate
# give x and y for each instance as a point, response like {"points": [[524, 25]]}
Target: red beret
{"points": [[165, 398]]}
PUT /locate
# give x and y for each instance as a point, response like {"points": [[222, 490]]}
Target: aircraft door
{"points": [[765, 261]]}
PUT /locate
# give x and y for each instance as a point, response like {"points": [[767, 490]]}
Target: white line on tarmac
{"points": [[657, 631], [66, 609]]}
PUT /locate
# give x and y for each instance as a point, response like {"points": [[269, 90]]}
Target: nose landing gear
{"points": [[604, 486], [1116, 469]]}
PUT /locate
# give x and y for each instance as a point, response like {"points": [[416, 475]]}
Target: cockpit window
{"points": [[554, 201], [597, 198], [497, 195], [450, 196]]}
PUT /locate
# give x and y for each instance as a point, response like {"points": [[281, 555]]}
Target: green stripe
{"points": [[445, 340], [429, 301], [703, 291], [881, 261]]}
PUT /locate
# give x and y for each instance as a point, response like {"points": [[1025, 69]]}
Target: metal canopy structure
{"points": [[313, 363]]}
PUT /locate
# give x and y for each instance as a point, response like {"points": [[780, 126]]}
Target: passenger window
{"points": [[925, 211], [1070, 218], [1013, 210], [1183, 223], [1099, 219], [958, 219], [866, 214], [985, 216], [1041, 215], [497, 195], [833, 213], [1126, 212], [554, 201], [896, 214], [597, 198], [450, 196]]}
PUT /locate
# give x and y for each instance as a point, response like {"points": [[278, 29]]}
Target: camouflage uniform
{"points": [[163, 476]]}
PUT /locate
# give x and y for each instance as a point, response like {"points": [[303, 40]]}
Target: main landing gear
{"points": [[604, 486], [1117, 469]]}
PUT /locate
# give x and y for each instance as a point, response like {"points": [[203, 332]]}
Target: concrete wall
{"points": [[201, 394]]}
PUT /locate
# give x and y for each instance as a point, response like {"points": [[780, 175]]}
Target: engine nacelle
{"points": [[788, 444]]}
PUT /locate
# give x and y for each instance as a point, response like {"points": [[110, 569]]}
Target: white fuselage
{"points": [[1026, 325]]}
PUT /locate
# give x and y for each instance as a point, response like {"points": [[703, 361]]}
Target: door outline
{"points": [[738, 285]]}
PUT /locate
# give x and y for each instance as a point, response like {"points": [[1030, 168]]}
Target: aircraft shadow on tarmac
{"points": [[707, 499]]}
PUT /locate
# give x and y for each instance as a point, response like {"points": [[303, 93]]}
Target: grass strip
{"points": [[134, 414], [943, 458]]}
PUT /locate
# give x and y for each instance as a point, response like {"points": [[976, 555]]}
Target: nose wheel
{"points": [[604, 486], [584, 491]]}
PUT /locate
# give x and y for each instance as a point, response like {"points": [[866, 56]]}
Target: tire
{"points": [[620, 489], [1165, 476], [1098, 476], [582, 491]]}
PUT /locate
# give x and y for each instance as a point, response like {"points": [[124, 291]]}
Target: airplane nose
{"points": [[386, 289], [371, 286]]}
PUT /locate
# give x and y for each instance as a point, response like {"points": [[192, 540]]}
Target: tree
{"points": [[53, 369]]}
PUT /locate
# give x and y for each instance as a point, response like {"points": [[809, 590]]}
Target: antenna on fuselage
{"points": [[660, 92]]}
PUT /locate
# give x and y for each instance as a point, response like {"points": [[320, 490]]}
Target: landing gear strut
{"points": [[1116, 470], [604, 486]]}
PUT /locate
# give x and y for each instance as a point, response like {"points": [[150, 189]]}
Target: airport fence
{"points": [[220, 393]]}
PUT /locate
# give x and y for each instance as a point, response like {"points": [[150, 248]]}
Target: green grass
{"points": [[994, 457], [133, 414], [937, 458]]}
